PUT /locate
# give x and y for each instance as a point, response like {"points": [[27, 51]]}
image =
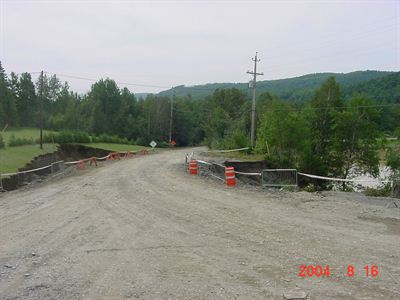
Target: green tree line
{"points": [[327, 135]]}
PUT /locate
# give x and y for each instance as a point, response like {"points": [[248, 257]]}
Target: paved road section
{"points": [[144, 229]]}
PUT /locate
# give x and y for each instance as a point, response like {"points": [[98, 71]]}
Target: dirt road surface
{"points": [[143, 228]]}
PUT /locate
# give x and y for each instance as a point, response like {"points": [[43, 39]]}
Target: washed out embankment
{"points": [[65, 152]]}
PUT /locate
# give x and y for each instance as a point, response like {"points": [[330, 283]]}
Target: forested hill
{"points": [[294, 89], [386, 88]]}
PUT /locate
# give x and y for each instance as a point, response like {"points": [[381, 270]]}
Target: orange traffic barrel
{"points": [[80, 165], [230, 178], [193, 167]]}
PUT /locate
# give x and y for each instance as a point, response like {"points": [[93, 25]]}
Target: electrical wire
{"points": [[121, 83]]}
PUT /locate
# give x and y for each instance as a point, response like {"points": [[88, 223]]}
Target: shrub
{"points": [[2, 144], [162, 145], [382, 191], [20, 141], [65, 137]]}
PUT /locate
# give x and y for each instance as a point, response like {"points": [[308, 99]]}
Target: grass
{"points": [[22, 133], [114, 147], [13, 158]]}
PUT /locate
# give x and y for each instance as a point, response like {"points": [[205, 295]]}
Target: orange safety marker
{"points": [[110, 157], [144, 152], [128, 154], [93, 160], [230, 178], [117, 156], [80, 165], [193, 167]]}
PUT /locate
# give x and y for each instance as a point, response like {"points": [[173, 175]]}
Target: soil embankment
{"points": [[65, 152]]}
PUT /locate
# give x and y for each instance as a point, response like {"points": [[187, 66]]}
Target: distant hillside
{"points": [[141, 95], [386, 88], [293, 89]]}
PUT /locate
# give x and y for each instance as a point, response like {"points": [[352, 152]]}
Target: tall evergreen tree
{"points": [[8, 110], [27, 106]]}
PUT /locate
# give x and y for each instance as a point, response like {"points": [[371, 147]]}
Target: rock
{"points": [[9, 266], [295, 295], [33, 254], [27, 274], [392, 204]]}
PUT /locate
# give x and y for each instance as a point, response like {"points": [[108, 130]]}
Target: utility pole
{"points": [[253, 105], [170, 120], [41, 110]]}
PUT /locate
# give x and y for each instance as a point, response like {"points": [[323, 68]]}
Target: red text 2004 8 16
{"points": [[325, 271]]}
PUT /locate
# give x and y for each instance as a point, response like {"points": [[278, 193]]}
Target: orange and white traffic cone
{"points": [[193, 167], [230, 178]]}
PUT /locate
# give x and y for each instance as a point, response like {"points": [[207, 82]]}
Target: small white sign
{"points": [[153, 144]]}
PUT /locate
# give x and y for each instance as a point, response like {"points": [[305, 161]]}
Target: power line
{"points": [[121, 83], [240, 112], [323, 43]]}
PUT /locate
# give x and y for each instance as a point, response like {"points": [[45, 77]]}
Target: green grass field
{"points": [[13, 158], [22, 133], [114, 147]]}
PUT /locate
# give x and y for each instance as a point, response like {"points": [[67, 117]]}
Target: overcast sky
{"points": [[167, 43]]}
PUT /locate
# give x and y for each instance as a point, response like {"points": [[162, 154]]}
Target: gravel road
{"points": [[143, 228]]}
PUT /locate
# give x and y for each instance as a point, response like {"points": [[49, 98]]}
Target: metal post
{"points": [[41, 110], [1, 185]]}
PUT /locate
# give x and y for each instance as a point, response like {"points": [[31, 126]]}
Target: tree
{"points": [[283, 135], [228, 116], [105, 100], [27, 106], [355, 139], [323, 106], [8, 109]]}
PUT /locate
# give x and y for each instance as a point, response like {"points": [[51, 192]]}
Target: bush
{"points": [[20, 141], [383, 191], [393, 158], [162, 144], [2, 144], [65, 137], [234, 139]]}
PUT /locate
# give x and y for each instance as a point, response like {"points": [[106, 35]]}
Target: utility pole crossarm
{"points": [[252, 73]]}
